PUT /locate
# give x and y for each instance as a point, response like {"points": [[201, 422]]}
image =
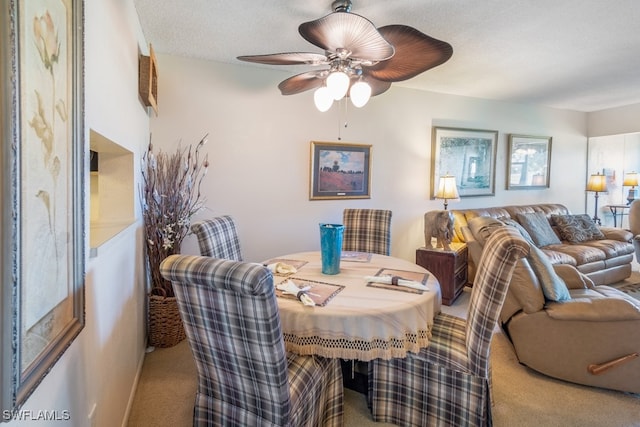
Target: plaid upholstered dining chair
{"points": [[367, 230], [218, 238], [449, 382], [245, 376]]}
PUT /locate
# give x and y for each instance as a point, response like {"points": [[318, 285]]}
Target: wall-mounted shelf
{"points": [[148, 79]]}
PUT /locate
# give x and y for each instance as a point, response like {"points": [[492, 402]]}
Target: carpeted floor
{"points": [[630, 286], [522, 397]]}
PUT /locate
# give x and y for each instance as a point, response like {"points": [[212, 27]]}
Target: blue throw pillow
{"points": [[539, 228], [553, 287]]}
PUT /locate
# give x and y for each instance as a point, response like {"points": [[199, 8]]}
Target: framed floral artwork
{"points": [[340, 171], [42, 257]]}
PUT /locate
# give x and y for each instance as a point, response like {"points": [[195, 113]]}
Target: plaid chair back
{"points": [[499, 256], [245, 377], [218, 238], [232, 323], [448, 383], [367, 230]]}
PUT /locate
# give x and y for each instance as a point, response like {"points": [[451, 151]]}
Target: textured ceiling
{"points": [[580, 55]]}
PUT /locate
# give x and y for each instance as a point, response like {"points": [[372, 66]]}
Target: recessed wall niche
{"points": [[112, 190]]}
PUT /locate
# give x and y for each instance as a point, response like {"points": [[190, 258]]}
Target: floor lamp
{"points": [[447, 189], [598, 184], [631, 180]]}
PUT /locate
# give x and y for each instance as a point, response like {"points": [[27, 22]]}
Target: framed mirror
{"points": [[42, 256], [528, 162]]}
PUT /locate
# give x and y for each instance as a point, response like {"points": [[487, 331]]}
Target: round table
{"points": [[363, 321]]}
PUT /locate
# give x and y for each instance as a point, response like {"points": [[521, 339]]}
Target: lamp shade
{"points": [[597, 182], [630, 179], [447, 188]]}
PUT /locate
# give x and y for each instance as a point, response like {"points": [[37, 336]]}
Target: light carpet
{"points": [[522, 397]]}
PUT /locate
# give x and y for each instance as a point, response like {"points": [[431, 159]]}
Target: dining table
{"points": [[355, 316]]}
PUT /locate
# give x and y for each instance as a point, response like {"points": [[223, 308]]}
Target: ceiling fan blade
{"points": [[302, 82], [377, 86], [416, 52], [342, 30], [288, 58]]}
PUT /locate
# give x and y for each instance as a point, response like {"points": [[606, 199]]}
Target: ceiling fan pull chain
{"points": [[342, 102]]}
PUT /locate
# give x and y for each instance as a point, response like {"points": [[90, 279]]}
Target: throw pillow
{"points": [[571, 228], [577, 228], [482, 226], [553, 287], [512, 222], [539, 228]]}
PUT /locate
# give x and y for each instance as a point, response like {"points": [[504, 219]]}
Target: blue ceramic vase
{"points": [[331, 247]]}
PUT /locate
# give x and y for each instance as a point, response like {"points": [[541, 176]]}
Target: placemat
{"points": [[404, 274], [355, 256], [321, 293], [294, 262]]}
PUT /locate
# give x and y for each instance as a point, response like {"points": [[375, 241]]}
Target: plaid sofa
{"points": [[218, 238], [245, 377], [449, 382], [367, 230]]}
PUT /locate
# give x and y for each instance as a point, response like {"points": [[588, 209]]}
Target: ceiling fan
{"points": [[360, 60]]}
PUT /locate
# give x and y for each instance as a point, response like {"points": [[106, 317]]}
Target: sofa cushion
{"points": [[557, 257], [583, 253], [525, 286], [596, 305], [611, 248], [576, 228], [553, 287], [539, 228]]}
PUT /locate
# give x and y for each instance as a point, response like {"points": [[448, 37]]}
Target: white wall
{"points": [[101, 365], [259, 148], [614, 121], [259, 154]]}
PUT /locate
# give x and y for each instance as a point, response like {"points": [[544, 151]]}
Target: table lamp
{"points": [[631, 180], [598, 184], [447, 189]]}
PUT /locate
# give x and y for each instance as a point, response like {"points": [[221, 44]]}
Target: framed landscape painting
{"points": [[467, 154], [529, 158], [339, 171]]}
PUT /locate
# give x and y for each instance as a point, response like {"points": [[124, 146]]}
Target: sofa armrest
{"points": [[619, 234], [572, 277], [595, 310]]}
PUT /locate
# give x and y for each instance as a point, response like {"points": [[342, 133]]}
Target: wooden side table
{"points": [[449, 267]]}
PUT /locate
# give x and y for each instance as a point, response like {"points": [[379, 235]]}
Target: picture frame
{"points": [[42, 257], [467, 154], [528, 162], [339, 171]]}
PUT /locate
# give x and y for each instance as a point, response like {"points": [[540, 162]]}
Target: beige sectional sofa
{"points": [[564, 326], [605, 259]]}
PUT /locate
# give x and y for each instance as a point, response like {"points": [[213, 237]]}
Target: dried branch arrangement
{"points": [[170, 194]]}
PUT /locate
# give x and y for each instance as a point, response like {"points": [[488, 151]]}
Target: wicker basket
{"points": [[165, 324]]}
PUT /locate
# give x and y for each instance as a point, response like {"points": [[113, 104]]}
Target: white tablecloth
{"points": [[361, 322]]}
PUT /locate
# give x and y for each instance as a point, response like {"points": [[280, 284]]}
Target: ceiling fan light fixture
{"points": [[322, 99], [360, 93], [338, 84], [354, 49]]}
